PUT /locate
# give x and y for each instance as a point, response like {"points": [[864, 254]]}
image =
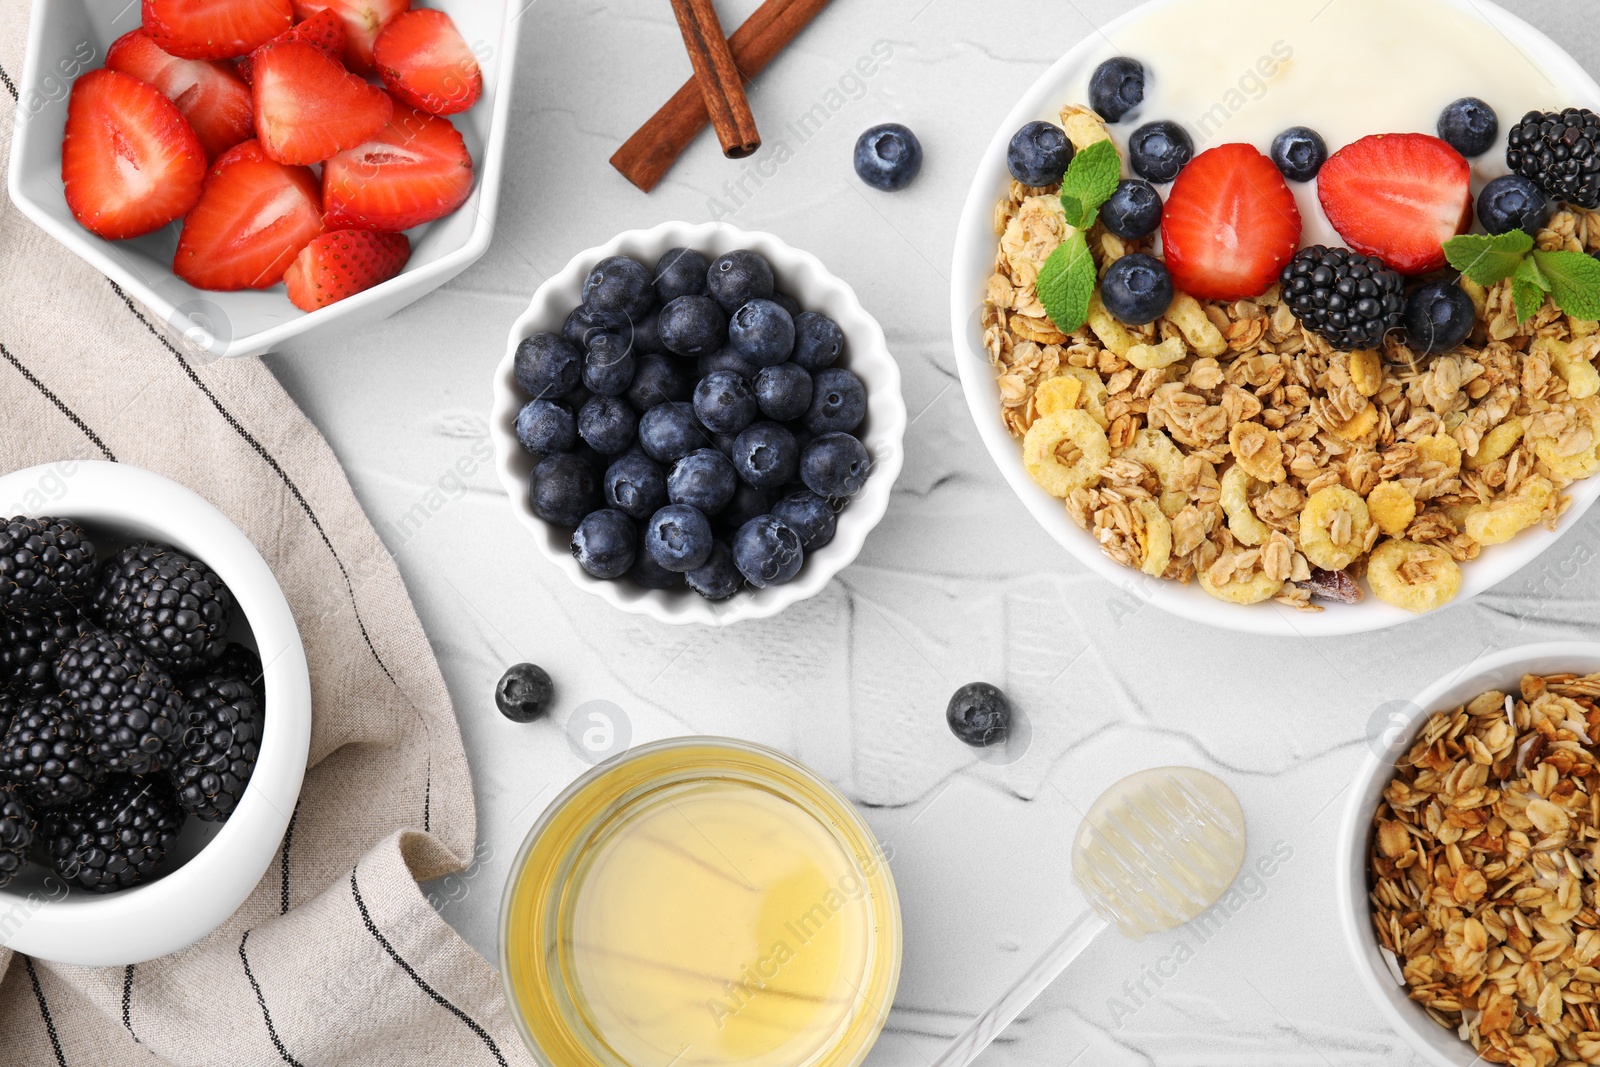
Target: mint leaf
{"points": [[1066, 283], [1528, 286], [1574, 280], [1090, 180], [1488, 260]]}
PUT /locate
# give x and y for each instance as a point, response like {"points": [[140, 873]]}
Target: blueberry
{"points": [[762, 332], [524, 692], [1039, 154], [579, 325], [748, 502], [647, 334], [724, 402], [818, 341], [605, 543], [704, 480], [1137, 289], [657, 380], [1134, 210], [838, 402], [650, 574], [979, 714], [577, 398], [547, 366], [1299, 153], [1513, 203], [607, 424], [546, 426], [564, 488], [680, 272], [668, 432], [1439, 316], [609, 365], [812, 517], [783, 392], [767, 551], [888, 157], [835, 466], [635, 485], [728, 359], [787, 303], [718, 578], [678, 538], [1470, 126], [693, 326], [1116, 88], [618, 291], [1157, 151], [738, 278], [766, 455]]}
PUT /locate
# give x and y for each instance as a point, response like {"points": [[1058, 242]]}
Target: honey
{"points": [[701, 902]]}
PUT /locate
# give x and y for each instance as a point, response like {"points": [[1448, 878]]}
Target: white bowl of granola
{"points": [[1431, 438], [1512, 750]]}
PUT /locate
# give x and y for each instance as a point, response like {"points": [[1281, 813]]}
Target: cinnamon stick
{"points": [[721, 84], [647, 156]]}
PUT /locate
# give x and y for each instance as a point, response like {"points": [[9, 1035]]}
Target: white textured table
{"points": [[957, 584]]}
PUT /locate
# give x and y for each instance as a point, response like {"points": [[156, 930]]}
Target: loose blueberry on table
{"points": [[888, 157], [715, 463], [979, 715], [524, 692]]}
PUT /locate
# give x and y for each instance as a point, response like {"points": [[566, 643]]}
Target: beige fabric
{"points": [[337, 958]]}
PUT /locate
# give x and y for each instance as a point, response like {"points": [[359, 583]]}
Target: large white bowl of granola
{"points": [[1243, 450], [1464, 879]]}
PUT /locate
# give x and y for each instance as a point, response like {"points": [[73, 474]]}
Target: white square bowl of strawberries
{"points": [[256, 170]]}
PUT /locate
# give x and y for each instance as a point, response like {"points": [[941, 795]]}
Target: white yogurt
{"points": [[1246, 70]]}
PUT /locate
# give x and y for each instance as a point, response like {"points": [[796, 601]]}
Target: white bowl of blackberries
{"points": [[135, 716], [698, 423]]}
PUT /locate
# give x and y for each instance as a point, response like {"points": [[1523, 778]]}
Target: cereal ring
{"points": [[1095, 393], [1155, 450], [1157, 357], [1258, 450], [1360, 424], [1333, 528], [1366, 371], [1415, 577], [1497, 443], [1499, 522], [1257, 589], [1440, 448], [1041, 452], [1237, 489], [1058, 394], [1157, 539], [1196, 326], [1392, 507]]}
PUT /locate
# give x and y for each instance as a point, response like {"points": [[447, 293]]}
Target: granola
{"points": [[1483, 877], [1273, 455]]}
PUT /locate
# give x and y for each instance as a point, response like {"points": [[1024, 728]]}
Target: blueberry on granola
{"points": [[1134, 210], [1299, 152], [1039, 154], [1157, 151], [1349, 300], [1513, 202], [1470, 126], [1137, 289], [979, 715], [1439, 317], [1116, 88], [1560, 150]]}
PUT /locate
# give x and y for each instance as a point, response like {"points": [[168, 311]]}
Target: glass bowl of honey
{"points": [[697, 902]]}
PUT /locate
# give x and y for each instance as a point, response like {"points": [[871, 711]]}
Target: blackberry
{"points": [[17, 829], [118, 838], [1560, 150], [1350, 300], [129, 705], [239, 662], [173, 607], [43, 562], [217, 751], [29, 645], [45, 752]]}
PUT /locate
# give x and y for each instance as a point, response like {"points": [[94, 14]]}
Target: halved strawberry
{"points": [[416, 170], [1399, 197], [363, 21], [341, 264], [1229, 225], [324, 29], [309, 108], [252, 221], [207, 91], [130, 161], [215, 29], [425, 61]]}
